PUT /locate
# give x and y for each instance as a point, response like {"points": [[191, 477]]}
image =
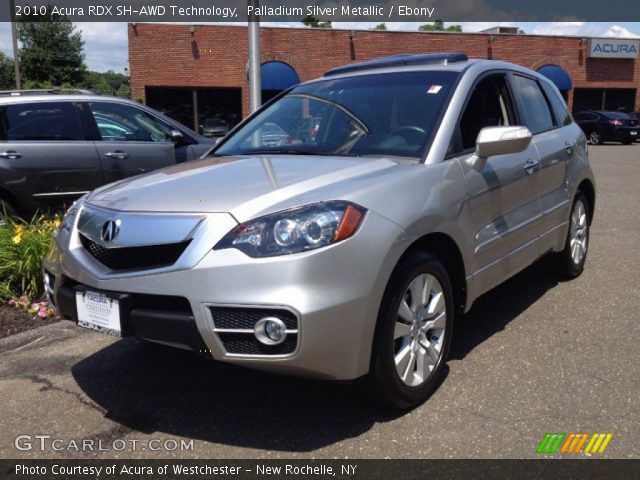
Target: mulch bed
{"points": [[14, 321]]}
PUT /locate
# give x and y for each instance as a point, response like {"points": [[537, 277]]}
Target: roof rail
{"points": [[400, 60], [53, 91]]}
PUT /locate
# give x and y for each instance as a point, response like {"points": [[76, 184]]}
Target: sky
{"points": [[106, 43]]}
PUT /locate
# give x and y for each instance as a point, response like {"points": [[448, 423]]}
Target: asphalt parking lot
{"points": [[534, 356]]}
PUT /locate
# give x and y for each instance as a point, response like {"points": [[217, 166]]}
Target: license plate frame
{"points": [[99, 311]]}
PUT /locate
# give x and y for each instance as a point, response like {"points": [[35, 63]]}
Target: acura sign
{"points": [[613, 48]]}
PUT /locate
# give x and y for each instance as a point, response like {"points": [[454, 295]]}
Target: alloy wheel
{"points": [[578, 236], [419, 330]]}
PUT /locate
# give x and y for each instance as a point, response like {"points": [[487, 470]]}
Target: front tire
{"points": [[413, 334], [572, 258]]}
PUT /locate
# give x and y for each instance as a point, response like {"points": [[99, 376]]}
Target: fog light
{"points": [[270, 331]]}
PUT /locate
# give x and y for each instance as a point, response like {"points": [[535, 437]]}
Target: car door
{"points": [[557, 146], [503, 207], [46, 158], [129, 140]]}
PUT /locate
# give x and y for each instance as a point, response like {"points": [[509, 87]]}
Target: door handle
{"points": [[568, 147], [530, 165], [10, 154], [117, 154]]}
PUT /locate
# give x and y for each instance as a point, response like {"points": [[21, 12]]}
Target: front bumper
{"points": [[333, 293]]}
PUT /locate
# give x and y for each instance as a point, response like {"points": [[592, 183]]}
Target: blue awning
{"points": [[277, 76], [558, 76]]}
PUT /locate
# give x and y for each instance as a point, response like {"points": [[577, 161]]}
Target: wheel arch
{"points": [[447, 251], [586, 187]]}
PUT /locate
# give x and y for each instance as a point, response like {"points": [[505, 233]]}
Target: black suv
{"points": [[55, 147]]}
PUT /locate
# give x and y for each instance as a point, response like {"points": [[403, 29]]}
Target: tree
{"points": [[6, 73], [107, 83], [115, 80], [96, 82], [124, 91], [313, 22], [438, 26], [51, 51], [380, 26]]}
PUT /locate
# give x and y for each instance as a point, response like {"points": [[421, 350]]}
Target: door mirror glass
{"points": [[493, 141]]}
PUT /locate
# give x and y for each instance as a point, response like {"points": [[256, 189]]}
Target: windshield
{"points": [[391, 114]]}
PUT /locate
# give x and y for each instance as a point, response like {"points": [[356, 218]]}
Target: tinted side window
{"points": [[40, 121], [559, 106], [488, 106], [117, 122], [535, 111]]}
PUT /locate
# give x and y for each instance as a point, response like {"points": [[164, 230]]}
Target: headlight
{"points": [[297, 230], [69, 217]]}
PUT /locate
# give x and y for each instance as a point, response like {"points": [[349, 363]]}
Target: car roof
{"points": [[460, 65], [26, 97]]}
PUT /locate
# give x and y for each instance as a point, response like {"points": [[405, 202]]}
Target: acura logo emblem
{"points": [[110, 230]]}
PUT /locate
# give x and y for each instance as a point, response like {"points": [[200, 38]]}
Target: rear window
{"points": [[47, 121], [617, 115]]}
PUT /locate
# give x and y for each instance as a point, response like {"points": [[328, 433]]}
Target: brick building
{"points": [[199, 71]]}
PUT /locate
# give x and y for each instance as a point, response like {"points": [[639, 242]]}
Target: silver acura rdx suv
{"points": [[395, 193]]}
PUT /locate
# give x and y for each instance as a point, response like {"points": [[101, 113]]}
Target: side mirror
{"points": [[176, 136], [493, 141]]}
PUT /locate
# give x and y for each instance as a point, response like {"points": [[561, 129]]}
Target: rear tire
{"points": [[595, 137], [413, 333], [571, 260]]}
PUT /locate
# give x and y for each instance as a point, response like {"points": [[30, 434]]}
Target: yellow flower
{"points": [[17, 239], [19, 229], [56, 223]]}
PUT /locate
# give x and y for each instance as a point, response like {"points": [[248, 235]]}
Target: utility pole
{"points": [[14, 36], [255, 93]]}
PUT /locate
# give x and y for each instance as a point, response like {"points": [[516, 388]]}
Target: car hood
{"points": [[242, 186]]}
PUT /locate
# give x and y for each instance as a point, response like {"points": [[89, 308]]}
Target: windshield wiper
{"points": [[285, 151]]}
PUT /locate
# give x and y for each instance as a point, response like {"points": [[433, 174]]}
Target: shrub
{"points": [[23, 246]]}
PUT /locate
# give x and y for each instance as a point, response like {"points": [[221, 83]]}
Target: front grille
{"points": [[135, 258], [245, 344], [246, 318]]}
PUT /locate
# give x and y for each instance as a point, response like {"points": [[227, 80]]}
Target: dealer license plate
{"points": [[98, 311]]}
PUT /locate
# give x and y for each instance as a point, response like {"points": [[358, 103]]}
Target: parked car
{"points": [[601, 126], [636, 116], [215, 128], [431, 179], [55, 147]]}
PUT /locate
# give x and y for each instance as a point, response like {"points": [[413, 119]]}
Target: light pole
{"points": [[255, 92], [14, 36]]}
